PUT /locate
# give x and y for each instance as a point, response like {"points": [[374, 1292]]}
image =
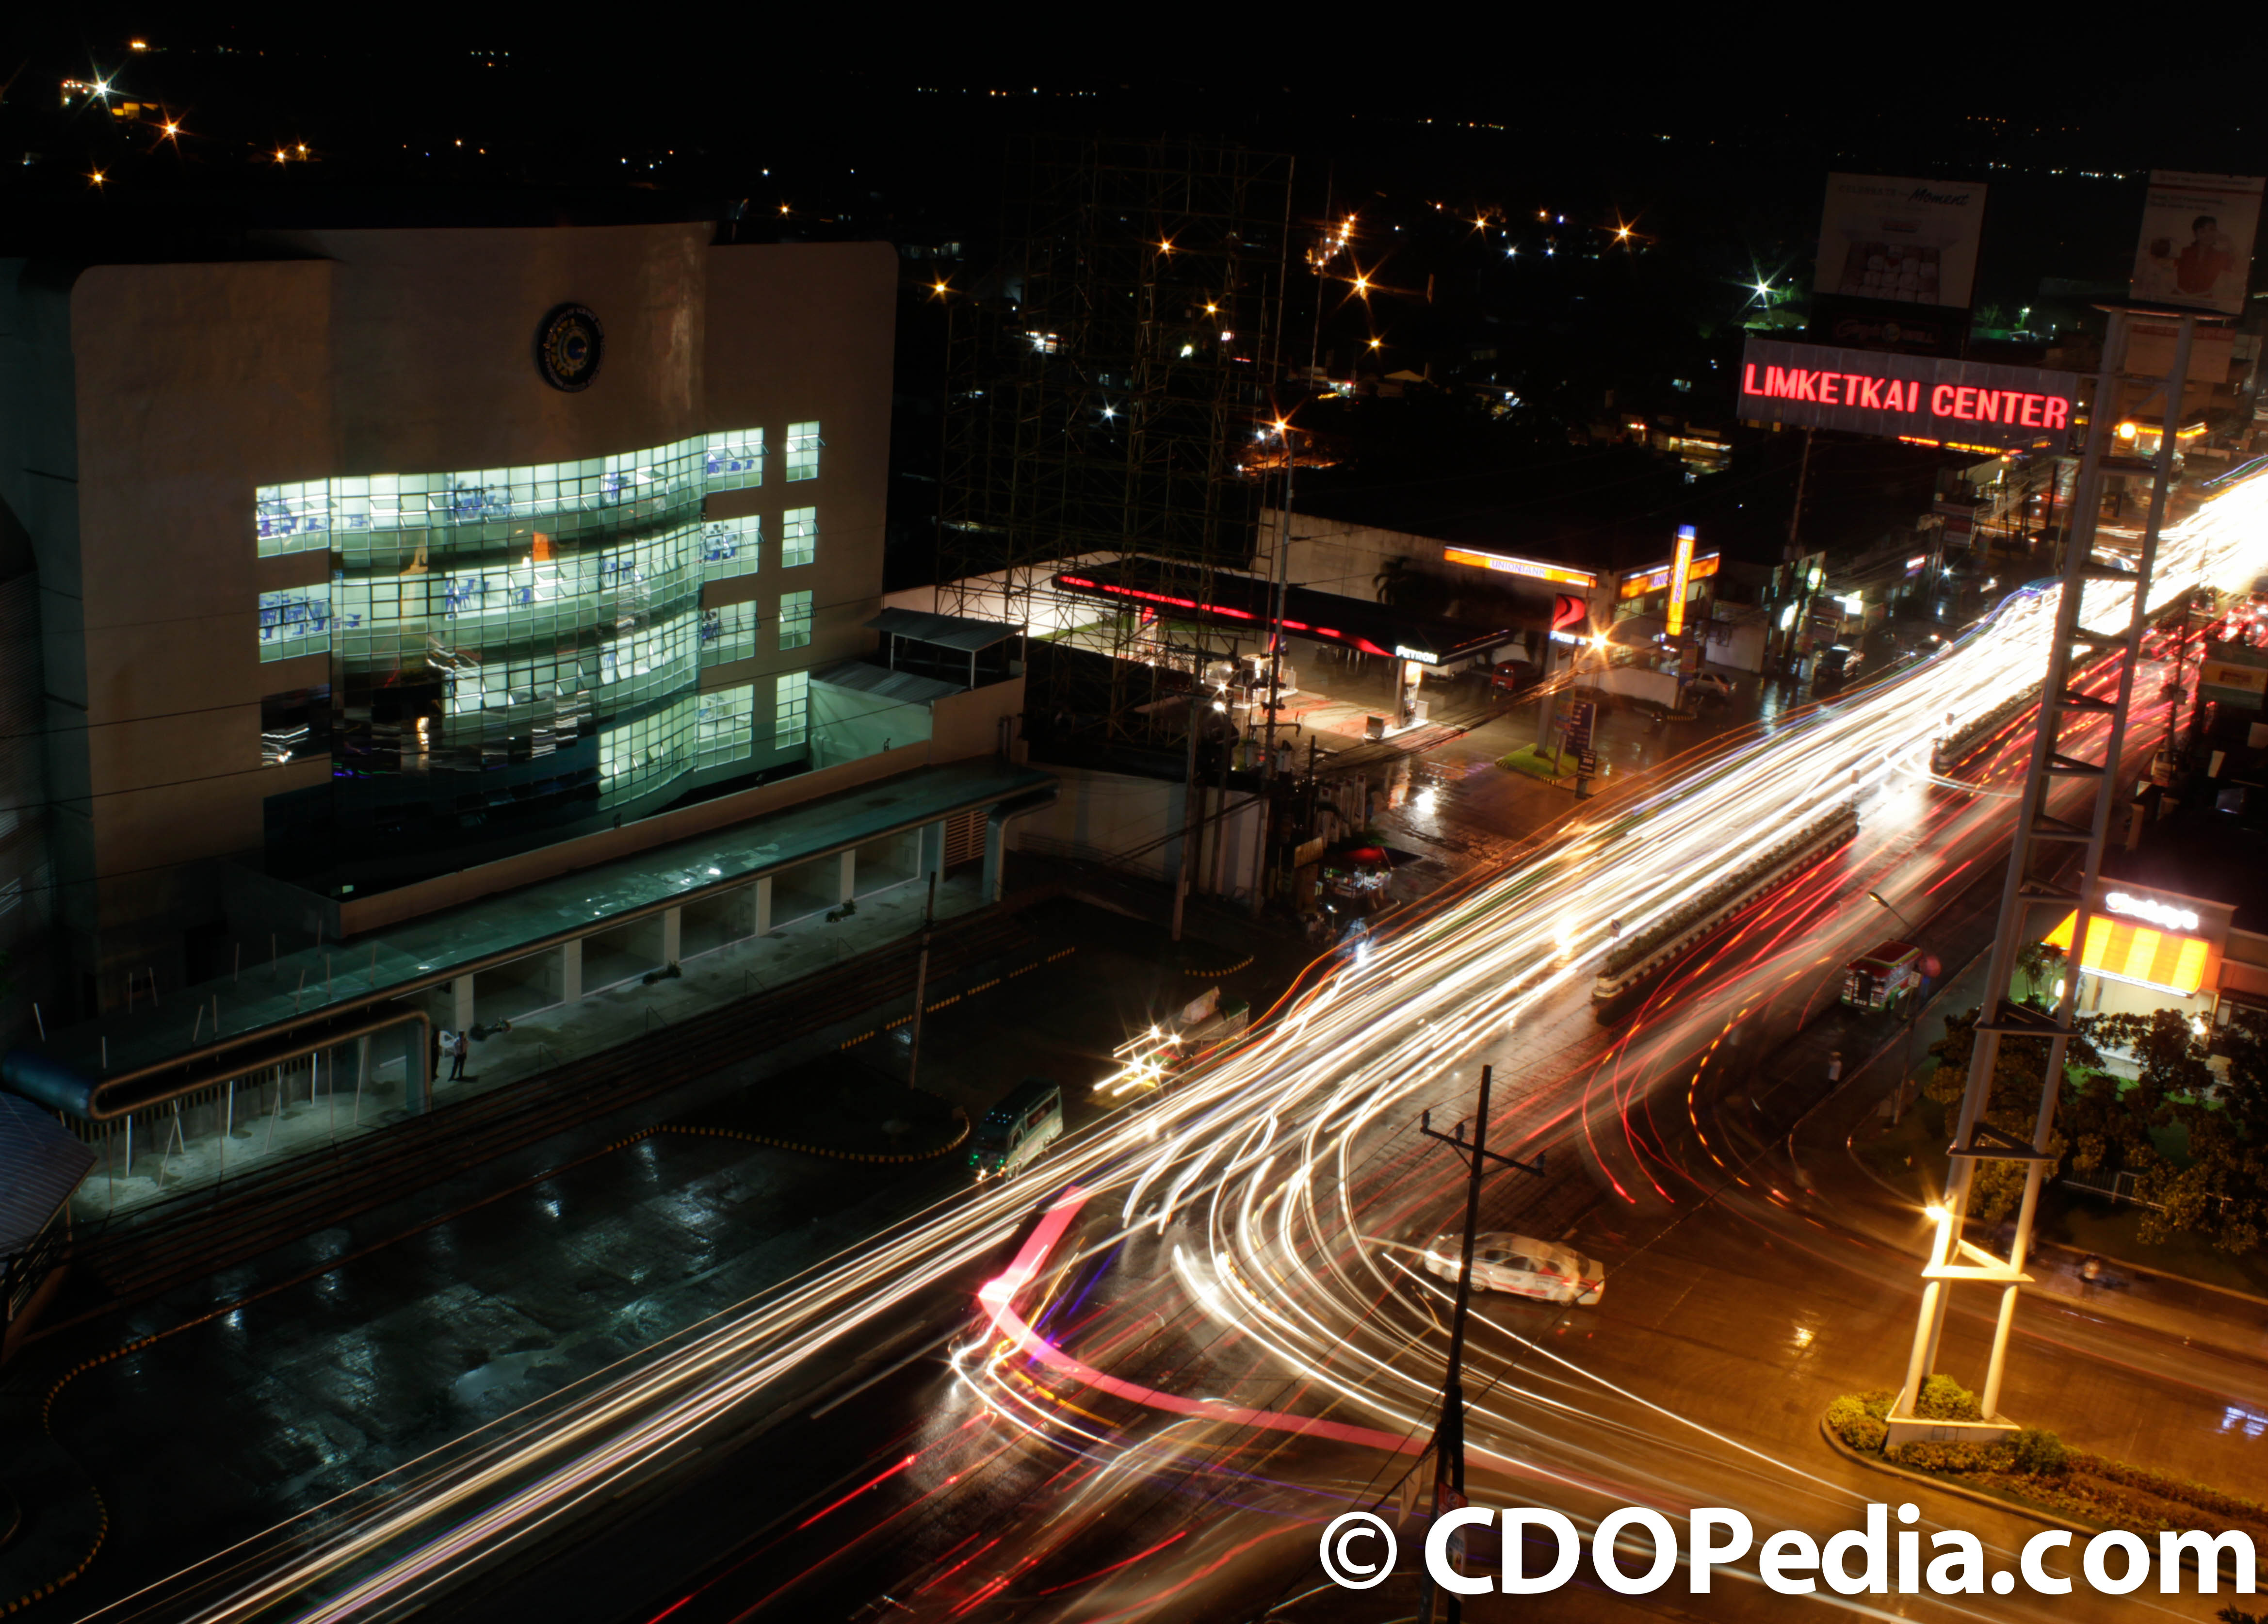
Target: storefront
{"points": [[2148, 949]]}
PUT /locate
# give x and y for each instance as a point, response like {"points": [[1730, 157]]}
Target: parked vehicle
{"points": [[1709, 683], [1889, 978], [1511, 677], [1519, 1264], [1014, 1133]]}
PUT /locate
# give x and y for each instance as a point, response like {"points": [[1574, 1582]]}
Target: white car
{"points": [[1520, 1264], [1710, 683]]}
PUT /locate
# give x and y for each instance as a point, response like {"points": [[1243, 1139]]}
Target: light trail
{"points": [[1262, 1141]]}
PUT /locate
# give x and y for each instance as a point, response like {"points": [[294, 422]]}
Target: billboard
{"points": [[2197, 241], [1899, 240], [1922, 400]]}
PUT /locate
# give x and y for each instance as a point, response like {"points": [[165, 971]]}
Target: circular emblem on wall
{"points": [[568, 344]]}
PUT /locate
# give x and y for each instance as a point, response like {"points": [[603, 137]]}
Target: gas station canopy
{"points": [[1217, 598]]}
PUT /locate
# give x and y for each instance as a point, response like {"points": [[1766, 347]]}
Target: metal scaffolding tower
{"points": [[1104, 391], [2039, 857]]}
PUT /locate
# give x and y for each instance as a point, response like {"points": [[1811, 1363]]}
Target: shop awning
{"points": [[2119, 951]]}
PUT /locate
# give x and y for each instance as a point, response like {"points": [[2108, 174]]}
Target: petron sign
{"points": [[1533, 569], [1921, 400]]}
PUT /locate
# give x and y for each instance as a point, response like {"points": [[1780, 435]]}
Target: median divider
{"points": [[1636, 961]]}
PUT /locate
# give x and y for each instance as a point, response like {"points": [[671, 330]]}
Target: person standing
{"points": [[462, 1041]]}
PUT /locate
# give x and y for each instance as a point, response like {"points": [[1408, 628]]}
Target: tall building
{"points": [[379, 569]]}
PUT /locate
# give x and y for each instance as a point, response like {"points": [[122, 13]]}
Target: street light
{"points": [[1885, 901]]}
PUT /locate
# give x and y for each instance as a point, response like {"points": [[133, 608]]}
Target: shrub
{"points": [[1945, 1457], [1943, 1399], [1855, 1424], [2038, 1454]]}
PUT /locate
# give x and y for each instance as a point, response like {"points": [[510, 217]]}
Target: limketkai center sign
{"points": [[1920, 399]]}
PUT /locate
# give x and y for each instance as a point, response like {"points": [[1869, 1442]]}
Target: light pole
{"points": [[1900, 918], [1449, 1433]]}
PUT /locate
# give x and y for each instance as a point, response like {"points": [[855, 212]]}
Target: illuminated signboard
{"points": [[2163, 914], [1637, 583], [1534, 568], [1680, 578], [1421, 656], [1922, 400]]}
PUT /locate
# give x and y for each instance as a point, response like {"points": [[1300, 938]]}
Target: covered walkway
{"points": [[331, 1039]]}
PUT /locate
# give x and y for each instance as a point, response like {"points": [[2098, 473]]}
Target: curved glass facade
{"points": [[509, 647]]}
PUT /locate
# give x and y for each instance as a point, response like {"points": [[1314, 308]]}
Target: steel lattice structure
{"points": [[1105, 387]]}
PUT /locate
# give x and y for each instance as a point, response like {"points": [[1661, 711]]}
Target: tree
{"points": [[2221, 1190], [2012, 1105]]}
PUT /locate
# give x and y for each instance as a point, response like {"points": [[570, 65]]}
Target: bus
{"points": [[1018, 1129]]}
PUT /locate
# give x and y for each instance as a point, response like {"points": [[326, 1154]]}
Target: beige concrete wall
{"points": [[193, 383], [797, 333], [969, 724]]}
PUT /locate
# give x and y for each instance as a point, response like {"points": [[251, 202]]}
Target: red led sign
{"points": [[1919, 399]]}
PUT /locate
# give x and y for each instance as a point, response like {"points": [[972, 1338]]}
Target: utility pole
{"points": [[1795, 552], [1192, 795], [921, 982], [1449, 1433]]}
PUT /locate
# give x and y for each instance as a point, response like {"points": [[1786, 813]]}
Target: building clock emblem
{"points": [[568, 344]]}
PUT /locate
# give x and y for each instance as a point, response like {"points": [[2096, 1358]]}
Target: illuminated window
{"points": [[791, 709], [298, 621], [644, 753], [722, 725], [799, 536], [794, 619], [803, 448], [358, 514], [730, 547], [735, 459], [728, 632]]}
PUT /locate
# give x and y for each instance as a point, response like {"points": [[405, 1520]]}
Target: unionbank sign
{"points": [[1921, 400]]}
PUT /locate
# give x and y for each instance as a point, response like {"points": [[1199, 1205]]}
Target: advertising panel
{"points": [[1922, 400], [1681, 572], [2197, 239], [1532, 569], [1899, 240]]}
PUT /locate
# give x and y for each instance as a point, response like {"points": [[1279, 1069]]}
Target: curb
{"points": [[1978, 1495], [1874, 1463], [893, 1157]]}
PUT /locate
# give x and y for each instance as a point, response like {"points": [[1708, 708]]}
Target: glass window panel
{"points": [[791, 709], [799, 536], [294, 622], [794, 619], [803, 448]]}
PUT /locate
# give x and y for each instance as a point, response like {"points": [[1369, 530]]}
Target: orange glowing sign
{"points": [[1681, 574], [1637, 583], [2119, 951], [1534, 568]]}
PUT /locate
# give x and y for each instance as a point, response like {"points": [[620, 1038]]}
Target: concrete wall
{"points": [[1135, 824]]}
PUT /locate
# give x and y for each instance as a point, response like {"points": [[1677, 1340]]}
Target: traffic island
{"points": [[2033, 1472]]}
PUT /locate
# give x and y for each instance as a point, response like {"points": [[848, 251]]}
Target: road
{"points": [[1210, 1337]]}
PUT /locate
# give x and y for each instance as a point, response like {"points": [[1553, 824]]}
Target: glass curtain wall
{"points": [[511, 645]]}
